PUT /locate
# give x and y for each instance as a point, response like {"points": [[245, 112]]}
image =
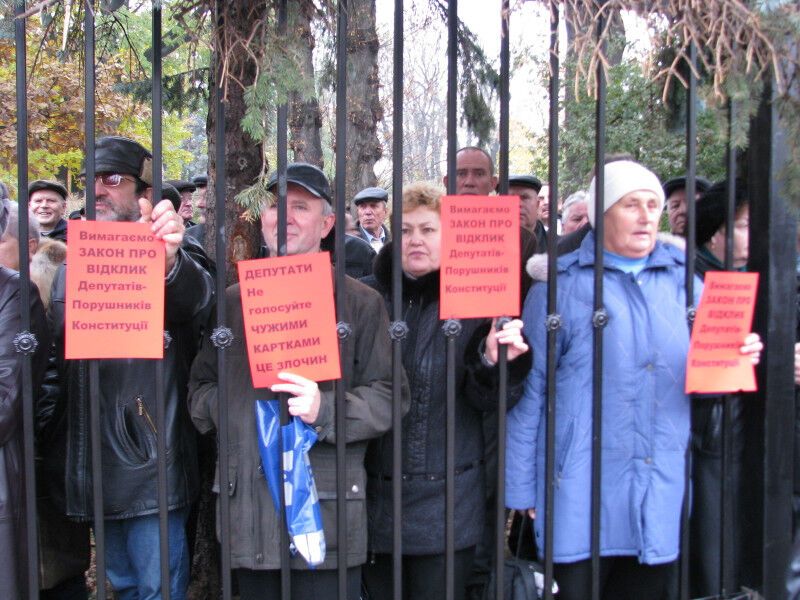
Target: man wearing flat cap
{"points": [[527, 187], [186, 189], [675, 192], [127, 394], [367, 374], [48, 202], [199, 197], [371, 206]]}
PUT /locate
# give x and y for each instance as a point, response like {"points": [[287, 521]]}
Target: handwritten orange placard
{"points": [[480, 268], [115, 291], [724, 318], [289, 317]]}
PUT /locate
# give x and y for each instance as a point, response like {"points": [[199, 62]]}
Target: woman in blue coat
{"points": [[646, 415]]}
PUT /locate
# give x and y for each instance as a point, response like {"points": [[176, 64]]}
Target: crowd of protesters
{"points": [[648, 420]]}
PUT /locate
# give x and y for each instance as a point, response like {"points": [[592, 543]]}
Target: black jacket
{"points": [[424, 427], [127, 394], [59, 232], [12, 476]]}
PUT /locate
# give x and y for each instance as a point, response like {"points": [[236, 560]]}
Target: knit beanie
{"points": [[621, 178]]}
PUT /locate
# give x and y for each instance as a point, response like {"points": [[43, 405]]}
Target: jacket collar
{"points": [[663, 255]]}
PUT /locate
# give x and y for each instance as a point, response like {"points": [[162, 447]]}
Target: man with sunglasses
{"points": [[127, 392]]}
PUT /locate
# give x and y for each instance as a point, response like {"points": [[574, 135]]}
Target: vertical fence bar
{"points": [[502, 350], [94, 370], [161, 440], [343, 328], [161, 445], [600, 317], [398, 327], [726, 445], [31, 521], [222, 372], [283, 398], [451, 327], [691, 174], [553, 320], [773, 258]]}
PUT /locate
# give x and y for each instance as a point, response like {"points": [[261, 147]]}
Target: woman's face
{"points": [[741, 240], [422, 240], [631, 224]]}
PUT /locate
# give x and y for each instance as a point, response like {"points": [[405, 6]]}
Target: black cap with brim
{"points": [[117, 154], [182, 185], [306, 176], [200, 181], [169, 192], [45, 184], [371, 194], [530, 181], [711, 209], [701, 184]]}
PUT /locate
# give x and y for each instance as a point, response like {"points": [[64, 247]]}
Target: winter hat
{"points": [[621, 178], [711, 209]]}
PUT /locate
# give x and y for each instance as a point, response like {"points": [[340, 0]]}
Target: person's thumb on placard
{"points": [[146, 209]]}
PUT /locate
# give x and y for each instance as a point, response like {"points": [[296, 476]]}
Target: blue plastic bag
{"points": [[303, 515]]}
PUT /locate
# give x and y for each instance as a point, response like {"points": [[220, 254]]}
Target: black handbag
{"points": [[519, 574]]}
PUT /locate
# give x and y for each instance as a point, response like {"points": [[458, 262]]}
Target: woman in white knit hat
{"points": [[646, 415]]}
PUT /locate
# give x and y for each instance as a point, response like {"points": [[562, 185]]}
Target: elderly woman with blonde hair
{"points": [[424, 427]]}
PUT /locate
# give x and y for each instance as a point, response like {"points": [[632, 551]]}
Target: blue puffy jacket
{"points": [[646, 414]]}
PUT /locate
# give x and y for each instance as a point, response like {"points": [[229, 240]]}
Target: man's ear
{"points": [[33, 246], [495, 179], [444, 181], [328, 223]]}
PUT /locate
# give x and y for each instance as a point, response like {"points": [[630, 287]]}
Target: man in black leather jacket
{"points": [[127, 390]]}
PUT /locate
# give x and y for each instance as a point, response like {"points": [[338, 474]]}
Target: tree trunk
{"points": [[305, 119], [364, 109], [242, 165], [243, 155]]}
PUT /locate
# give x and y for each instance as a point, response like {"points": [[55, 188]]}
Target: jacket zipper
{"points": [[143, 413]]}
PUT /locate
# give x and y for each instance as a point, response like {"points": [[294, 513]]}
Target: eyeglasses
{"points": [[109, 179]]}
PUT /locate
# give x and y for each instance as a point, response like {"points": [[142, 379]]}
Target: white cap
{"points": [[621, 178]]}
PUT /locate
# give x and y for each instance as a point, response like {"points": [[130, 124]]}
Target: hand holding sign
{"points": [[510, 335], [306, 399], [166, 225], [753, 346]]}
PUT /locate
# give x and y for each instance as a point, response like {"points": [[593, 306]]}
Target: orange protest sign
{"points": [[724, 318], [480, 270], [114, 292], [289, 317]]}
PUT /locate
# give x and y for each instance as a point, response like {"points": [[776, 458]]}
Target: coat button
{"points": [[648, 460], [260, 469], [230, 486], [354, 489], [318, 428], [650, 366], [259, 558]]}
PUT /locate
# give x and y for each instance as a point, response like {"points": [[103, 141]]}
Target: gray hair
{"points": [[581, 196], [12, 229]]}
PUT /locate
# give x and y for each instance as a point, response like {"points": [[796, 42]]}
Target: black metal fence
{"points": [[771, 255]]}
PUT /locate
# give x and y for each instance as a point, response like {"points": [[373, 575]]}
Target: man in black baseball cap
{"points": [[48, 202], [675, 203], [366, 372], [371, 206]]}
